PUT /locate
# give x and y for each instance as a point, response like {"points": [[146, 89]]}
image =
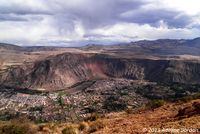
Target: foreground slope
{"points": [[152, 121], [165, 119]]}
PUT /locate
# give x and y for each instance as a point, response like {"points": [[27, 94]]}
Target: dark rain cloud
{"points": [[7, 17], [96, 14], [172, 18]]}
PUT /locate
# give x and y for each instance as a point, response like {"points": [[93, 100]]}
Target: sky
{"points": [[79, 22]]}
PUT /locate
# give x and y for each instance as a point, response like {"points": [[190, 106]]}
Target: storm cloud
{"points": [[61, 22]]}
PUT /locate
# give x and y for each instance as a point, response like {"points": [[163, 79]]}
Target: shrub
{"points": [[96, 126], [196, 96], [186, 99], [191, 97], [129, 111], [46, 127], [70, 130], [41, 127], [114, 104], [17, 128], [93, 117], [83, 126], [156, 103]]}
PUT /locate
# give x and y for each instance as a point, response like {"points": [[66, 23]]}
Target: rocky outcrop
{"points": [[66, 69]]}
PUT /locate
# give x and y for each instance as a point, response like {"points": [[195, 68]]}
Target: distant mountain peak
{"points": [[9, 46]]}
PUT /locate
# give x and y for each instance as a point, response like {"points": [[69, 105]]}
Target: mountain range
{"points": [[162, 60]]}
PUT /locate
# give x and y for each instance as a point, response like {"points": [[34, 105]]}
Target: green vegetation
{"points": [[28, 91], [114, 103], [8, 115], [36, 108], [169, 92], [60, 101], [191, 97]]}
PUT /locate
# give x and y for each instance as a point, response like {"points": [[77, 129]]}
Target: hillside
{"points": [[160, 47], [64, 70], [99, 67], [48, 84], [4, 46], [152, 121], [165, 119]]}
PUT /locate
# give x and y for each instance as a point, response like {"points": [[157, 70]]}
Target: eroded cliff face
{"points": [[64, 70]]}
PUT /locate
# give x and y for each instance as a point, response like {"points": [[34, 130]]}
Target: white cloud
{"points": [[191, 7], [29, 31], [40, 21], [129, 32]]}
